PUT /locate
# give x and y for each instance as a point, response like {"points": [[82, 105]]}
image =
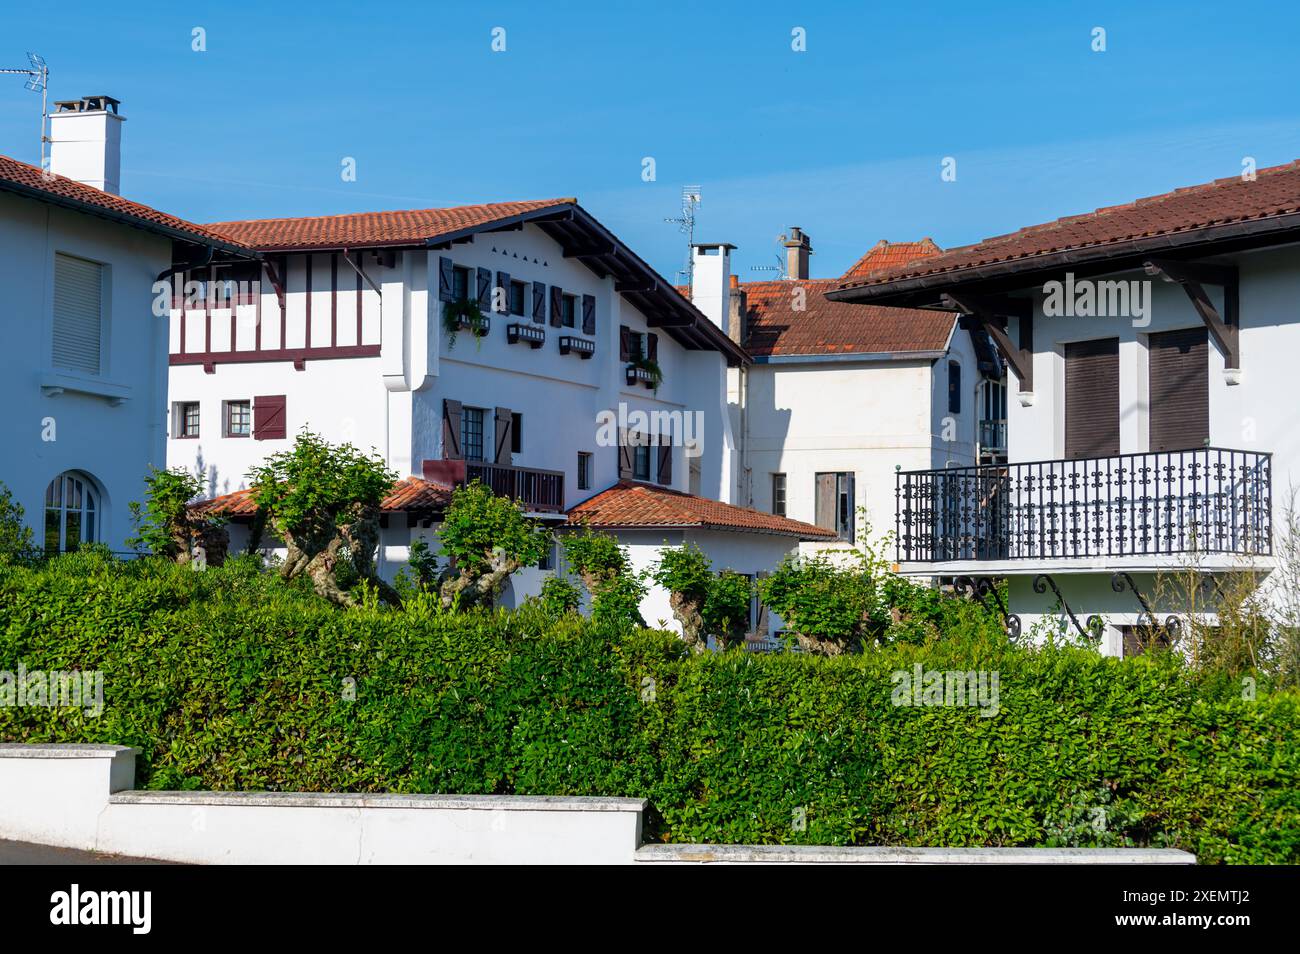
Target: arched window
{"points": [[71, 502]]}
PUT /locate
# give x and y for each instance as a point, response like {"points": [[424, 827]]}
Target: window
{"points": [[459, 283], [778, 494], [471, 433], [954, 387], [185, 417], [569, 311], [547, 562], [238, 418], [518, 291], [516, 432], [584, 470], [641, 459], [835, 505], [636, 346], [78, 314], [70, 504]]}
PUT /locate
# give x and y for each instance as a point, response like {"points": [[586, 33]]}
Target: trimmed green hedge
{"points": [[228, 680]]}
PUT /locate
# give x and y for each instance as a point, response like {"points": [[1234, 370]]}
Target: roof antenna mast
{"points": [[686, 224], [38, 80]]}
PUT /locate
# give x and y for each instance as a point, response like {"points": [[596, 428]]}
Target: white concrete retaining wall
{"points": [[79, 796]]}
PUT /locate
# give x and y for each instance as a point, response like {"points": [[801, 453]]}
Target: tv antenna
{"points": [[686, 224], [38, 80], [778, 268]]}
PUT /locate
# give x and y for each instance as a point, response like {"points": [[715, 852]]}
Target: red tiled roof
{"points": [[1274, 193], [886, 254], [629, 504], [410, 493], [23, 179], [361, 229], [775, 327]]}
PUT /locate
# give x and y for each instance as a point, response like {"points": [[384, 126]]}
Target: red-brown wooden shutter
{"points": [[451, 414], [504, 433], [1092, 398], [1179, 389], [268, 417], [485, 290], [665, 460], [652, 347], [624, 343], [539, 303], [445, 286], [557, 306], [625, 462], [588, 314], [824, 502]]}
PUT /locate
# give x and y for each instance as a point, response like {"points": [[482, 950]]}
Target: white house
{"points": [[592, 377], [1154, 428], [837, 398], [84, 367]]}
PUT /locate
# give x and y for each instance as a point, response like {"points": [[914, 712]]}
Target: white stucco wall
{"points": [[113, 444]]}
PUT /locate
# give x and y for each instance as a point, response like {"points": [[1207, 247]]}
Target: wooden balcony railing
{"points": [[540, 490], [1207, 500]]}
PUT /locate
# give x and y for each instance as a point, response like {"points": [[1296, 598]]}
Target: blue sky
{"points": [[845, 139]]}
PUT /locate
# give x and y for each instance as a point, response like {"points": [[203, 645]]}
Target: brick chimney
{"points": [[86, 141], [739, 308], [797, 249]]}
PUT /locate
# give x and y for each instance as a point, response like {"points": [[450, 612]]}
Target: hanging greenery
{"points": [[463, 313]]}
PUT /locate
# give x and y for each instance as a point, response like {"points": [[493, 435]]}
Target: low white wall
{"points": [[78, 796]]}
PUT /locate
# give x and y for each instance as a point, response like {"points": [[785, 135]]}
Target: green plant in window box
{"points": [[463, 313], [651, 367]]}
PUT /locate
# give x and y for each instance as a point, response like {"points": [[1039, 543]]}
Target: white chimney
{"points": [[711, 280], [86, 141]]}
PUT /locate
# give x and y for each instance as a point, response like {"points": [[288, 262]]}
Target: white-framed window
{"points": [[78, 335], [641, 459], [71, 512], [471, 433], [584, 470], [237, 418]]}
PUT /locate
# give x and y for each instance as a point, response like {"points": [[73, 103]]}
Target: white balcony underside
{"points": [[1141, 563]]}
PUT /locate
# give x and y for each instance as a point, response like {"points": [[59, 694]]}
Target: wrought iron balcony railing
{"points": [[1207, 500]]}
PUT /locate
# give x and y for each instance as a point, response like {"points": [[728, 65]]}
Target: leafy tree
{"points": [[559, 597], [17, 544], [831, 608], [486, 538], [726, 611], [603, 567], [324, 502], [167, 526], [704, 603]]}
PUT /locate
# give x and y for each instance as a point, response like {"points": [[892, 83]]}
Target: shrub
{"points": [[231, 679], [704, 604], [615, 590], [167, 526], [831, 608], [16, 542], [486, 538]]}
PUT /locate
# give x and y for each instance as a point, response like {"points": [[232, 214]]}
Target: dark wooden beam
{"points": [[277, 281], [591, 251], [635, 285], [1194, 276], [992, 313]]}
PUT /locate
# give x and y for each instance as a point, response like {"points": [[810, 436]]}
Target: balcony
{"points": [[1156, 505], [993, 436], [540, 491]]}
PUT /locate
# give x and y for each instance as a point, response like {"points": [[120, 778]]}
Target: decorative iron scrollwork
{"points": [[1041, 583]]}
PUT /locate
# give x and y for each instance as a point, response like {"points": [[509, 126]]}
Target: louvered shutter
{"points": [[268, 417], [539, 302], [652, 347], [625, 462], [445, 280], [557, 306], [485, 290], [1092, 398], [78, 324], [624, 343], [825, 502], [503, 282], [588, 314], [504, 434], [451, 415], [1179, 389], [665, 460]]}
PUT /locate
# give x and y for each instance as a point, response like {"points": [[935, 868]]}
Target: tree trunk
{"points": [[820, 645], [468, 589], [688, 613]]}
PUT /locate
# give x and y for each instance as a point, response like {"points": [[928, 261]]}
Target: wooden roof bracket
{"points": [[1193, 276], [992, 314], [277, 280]]}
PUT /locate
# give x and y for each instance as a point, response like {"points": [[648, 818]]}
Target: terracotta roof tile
{"points": [[1273, 193], [26, 179], [629, 504], [886, 254], [775, 327], [410, 493], [362, 229]]}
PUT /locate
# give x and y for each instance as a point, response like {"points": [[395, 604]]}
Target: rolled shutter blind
{"points": [[78, 290], [1092, 398], [1179, 389]]}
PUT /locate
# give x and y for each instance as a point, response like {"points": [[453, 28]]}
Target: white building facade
{"points": [[85, 367]]}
